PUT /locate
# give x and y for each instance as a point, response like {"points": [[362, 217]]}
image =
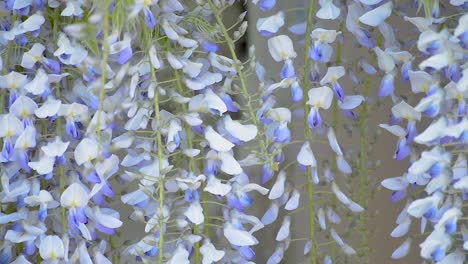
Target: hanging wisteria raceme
{"points": [[135, 131], [434, 183]]}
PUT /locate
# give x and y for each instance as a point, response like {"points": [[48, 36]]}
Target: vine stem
{"points": [[63, 220], [362, 158], [305, 98], [105, 54], [193, 168], [335, 121], [6, 63], [240, 74], [157, 117]]}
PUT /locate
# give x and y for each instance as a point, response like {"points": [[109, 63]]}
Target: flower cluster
{"points": [[140, 114], [437, 170]]}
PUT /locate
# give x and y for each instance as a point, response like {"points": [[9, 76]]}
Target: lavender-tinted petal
{"points": [[150, 21], [266, 5]]}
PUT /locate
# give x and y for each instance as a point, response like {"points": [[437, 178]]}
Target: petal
{"points": [[216, 187], [239, 237], [43, 166], [378, 15], [271, 24], [242, 132], [271, 214], [229, 164], [281, 48], [74, 196], [401, 229], [86, 151], [283, 232], [305, 156], [402, 250], [333, 142], [320, 97], [327, 10], [395, 184], [195, 213], [277, 190], [210, 253], [333, 74], [293, 202], [55, 148], [350, 102]]}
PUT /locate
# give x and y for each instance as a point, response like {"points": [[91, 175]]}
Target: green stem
{"points": [[240, 74], [6, 63], [335, 121], [157, 116], [362, 159], [105, 54], [305, 82], [55, 29], [193, 167]]}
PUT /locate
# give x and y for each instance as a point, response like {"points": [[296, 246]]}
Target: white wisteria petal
{"points": [[420, 81], [216, 141], [320, 97], [51, 248], [281, 48], [283, 232], [206, 102], [239, 237], [394, 129], [305, 156], [438, 61], [402, 250], [48, 109], [277, 190], [406, 111], [333, 74], [55, 148], [195, 213], [236, 129], [27, 139], [350, 102], [39, 84], [293, 202], [154, 58], [419, 207], [402, 228], [11, 126], [86, 151], [210, 253], [180, 256], [395, 184], [271, 214], [384, 60], [74, 196], [333, 141], [327, 10], [216, 187], [44, 165], [254, 187], [377, 15], [432, 132], [229, 164], [271, 24], [107, 219]]}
